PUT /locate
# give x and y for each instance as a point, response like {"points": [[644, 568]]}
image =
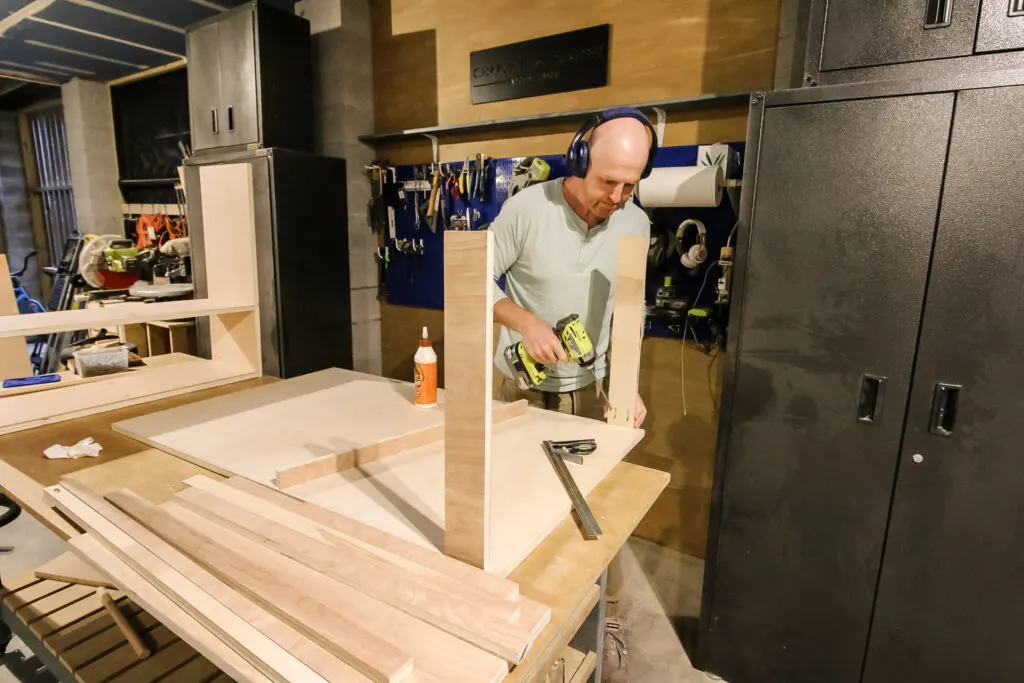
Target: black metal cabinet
{"points": [[1001, 26], [250, 80], [826, 315], [949, 605], [872, 32], [855, 41], [866, 516]]}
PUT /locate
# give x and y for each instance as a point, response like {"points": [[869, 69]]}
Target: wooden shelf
{"points": [[112, 316], [115, 391], [696, 103]]}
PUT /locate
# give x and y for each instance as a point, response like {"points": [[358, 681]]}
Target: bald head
{"points": [[618, 156], [620, 147]]}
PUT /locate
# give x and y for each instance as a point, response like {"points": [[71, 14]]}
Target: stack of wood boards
{"points": [[260, 432], [272, 588]]}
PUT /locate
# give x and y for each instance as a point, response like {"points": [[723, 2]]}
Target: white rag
{"points": [[86, 448]]}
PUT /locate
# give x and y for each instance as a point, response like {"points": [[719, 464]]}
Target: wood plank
{"points": [[355, 457], [310, 601], [318, 659], [69, 377], [469, 335], [112, 316], [155, 602], [482, 590], [468, 614], [585, 669], [627, 330], [368, 536], [116, 391], [71, 569], [14, 360], [273, 660]]}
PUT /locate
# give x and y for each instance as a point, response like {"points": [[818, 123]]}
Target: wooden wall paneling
{"points": [[660, 50], [368, 535], [404, 67], [332, 464], [271, 659], [147, 595], [14, 360], [473, 615], [469, 335], [310, 601], [627, 330], [682, 445]]}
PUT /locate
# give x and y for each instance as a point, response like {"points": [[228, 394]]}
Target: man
{"points": [[556, 243]]}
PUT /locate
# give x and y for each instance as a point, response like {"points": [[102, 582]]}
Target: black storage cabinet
{"points": [[250, 80], [862, 40], [302, 262], [866, 518]]}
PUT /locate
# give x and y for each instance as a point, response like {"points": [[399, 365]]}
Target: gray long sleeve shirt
{"points": [[555, 266]]}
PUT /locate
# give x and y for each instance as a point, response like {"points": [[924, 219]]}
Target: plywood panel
{"points": [[627, 330], [254, 433], [469, 329], [281, 425], [14, 361]]}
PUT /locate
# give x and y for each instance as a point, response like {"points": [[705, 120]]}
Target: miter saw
{"points": [[113, 262]]}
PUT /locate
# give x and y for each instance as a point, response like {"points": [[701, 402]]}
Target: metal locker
{"points": [[823, 331], [1001, 25], [238, 79], [202, 48], [859, 33], [949, 608]]}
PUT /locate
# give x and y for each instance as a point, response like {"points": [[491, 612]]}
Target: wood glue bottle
{"points": [[425, 373]]}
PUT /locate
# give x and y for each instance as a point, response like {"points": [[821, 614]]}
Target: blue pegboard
{"points": [[418, 281]]}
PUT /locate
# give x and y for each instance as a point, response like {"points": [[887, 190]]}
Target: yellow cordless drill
{"points": [[575, 340]]}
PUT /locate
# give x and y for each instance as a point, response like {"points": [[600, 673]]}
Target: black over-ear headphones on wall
{"points": [[577, 158]]}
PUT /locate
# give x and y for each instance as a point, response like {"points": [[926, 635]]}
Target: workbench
{"points": [[565, 572]]}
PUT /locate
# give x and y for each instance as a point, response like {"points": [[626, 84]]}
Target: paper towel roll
{"points": [[686, 186]]}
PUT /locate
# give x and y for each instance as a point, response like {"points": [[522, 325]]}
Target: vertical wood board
{"points": [[468, 331]]}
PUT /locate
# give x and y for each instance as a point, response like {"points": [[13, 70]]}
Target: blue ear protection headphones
{"points": [[577, 158]]}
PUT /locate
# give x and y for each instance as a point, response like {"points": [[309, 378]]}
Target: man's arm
{"points": [[538, 336]]}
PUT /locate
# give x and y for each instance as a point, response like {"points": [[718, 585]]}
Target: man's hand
{"points": [[541, 342], [639, 412], [538, 337]]}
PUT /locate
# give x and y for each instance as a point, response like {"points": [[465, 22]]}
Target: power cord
{"points": [[686, 327]]}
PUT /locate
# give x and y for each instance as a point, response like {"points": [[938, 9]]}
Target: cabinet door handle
{"points": [[872, 397], [1016, 8], [945, 403], [937, 13], [231, 119], [216, 129]]}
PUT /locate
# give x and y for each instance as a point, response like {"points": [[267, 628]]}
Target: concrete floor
{"points": [[659, 606]]}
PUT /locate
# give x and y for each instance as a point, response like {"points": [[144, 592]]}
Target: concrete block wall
{"points": [[343, 110], [92, 152], [15, 212]]}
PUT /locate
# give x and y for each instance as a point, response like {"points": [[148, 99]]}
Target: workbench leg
{"points": [[52, 664], [590, 637]]}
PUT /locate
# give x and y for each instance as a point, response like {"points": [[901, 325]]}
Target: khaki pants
{"points": [[585, 402]]}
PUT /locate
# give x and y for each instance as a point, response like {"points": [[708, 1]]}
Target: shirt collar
{"points": [[573, 218]]}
